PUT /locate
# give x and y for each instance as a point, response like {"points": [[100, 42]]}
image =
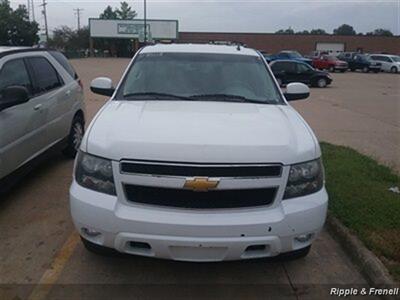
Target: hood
{"points": [[188, 131], [340, 62]]}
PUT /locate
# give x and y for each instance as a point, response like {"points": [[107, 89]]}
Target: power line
{"points": [[45, 19], [78, 12]]}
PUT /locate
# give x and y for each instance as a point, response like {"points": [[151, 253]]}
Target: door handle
{"points": [[68, 93], [37, 107]]}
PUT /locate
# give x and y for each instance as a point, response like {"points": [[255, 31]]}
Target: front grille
{"points": [[205, 170], [189, 199]]}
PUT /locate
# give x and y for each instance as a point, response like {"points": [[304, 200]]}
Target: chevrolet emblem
{"points": [[201, 184]]}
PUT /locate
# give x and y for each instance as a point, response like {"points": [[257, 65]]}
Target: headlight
{"points": [[305, 178], [95, 173]]}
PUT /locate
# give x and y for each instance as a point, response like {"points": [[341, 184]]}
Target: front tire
{"points": [[321, 83], [365, 70], [75, 137], [332, 69], [393, 70]]}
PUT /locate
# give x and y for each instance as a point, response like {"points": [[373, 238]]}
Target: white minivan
{"points": [[389, 63], [41, 106], [198, 156]]}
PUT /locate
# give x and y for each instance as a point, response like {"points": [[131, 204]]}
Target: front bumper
{"points": [[341, 67], [198, 235]]}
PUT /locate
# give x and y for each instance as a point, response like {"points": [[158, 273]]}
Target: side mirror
{"points": [[296, 91], [102, 86], [13, 95]]}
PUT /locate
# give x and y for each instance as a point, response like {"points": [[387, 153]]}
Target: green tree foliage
{"points": [[304, 32], [125, 12], [344, 29], [285, 31], [381, 32], [108, 14], [318, 31], [66, 39], [15, 27]]}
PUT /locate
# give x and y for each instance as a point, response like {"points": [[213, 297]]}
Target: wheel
{"points": [[75, 137], [377, 71], [393, 70], [331, 69], [296, 254], [99, 250], [365, 69], [343, 70], [352, 69], [321, 82]]}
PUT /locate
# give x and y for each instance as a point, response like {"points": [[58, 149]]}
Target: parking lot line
{"points": [[51, 275]]}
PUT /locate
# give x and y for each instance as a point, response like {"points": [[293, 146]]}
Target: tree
{"points": [[381, 32], [109, 13], [125, 12], [15, 27], [304, 32], [344, 29], [285, 31], [66, 39], [318, 31]]}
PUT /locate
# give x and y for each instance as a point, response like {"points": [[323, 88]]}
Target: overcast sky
{"points": [[239, 16]]}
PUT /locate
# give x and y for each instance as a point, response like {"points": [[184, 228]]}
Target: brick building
{"points": [[273, 43]]}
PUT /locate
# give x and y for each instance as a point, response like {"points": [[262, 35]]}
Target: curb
{"points": [[371, 267]]}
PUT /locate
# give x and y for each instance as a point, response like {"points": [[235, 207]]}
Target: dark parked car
{"points": [[361, 62], [289, 55], [287, 71]]}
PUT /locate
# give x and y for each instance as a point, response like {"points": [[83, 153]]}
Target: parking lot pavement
{"points": [[361, 111], [39, 244]]}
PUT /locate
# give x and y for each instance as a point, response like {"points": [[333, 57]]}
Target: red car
{"points": [[330, 62]]}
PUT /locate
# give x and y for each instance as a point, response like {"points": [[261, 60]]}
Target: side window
{"points": [[62, 60], [302, 68], [276, 67], [45, 77], [289, 67], [14, 73]]}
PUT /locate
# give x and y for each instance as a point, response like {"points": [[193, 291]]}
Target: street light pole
{"points": [[145, 23]]}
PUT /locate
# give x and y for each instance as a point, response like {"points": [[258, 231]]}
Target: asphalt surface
{"points": [[41, 256]]}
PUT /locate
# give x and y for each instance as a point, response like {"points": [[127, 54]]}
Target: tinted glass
{"points": [[197, 74], [14, 73], [62, 60], [287, 67], [45, 76], [302, 68]]}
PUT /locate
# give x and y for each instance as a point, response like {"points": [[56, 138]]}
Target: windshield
{"points": [[203, 77], [294, 54]]}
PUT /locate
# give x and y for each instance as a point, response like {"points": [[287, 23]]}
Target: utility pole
{"points": [[45, 19], [78, 12], [145, 23]]}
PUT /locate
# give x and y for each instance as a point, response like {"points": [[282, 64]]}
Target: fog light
{"points": [[90, 232], [304, 238]]}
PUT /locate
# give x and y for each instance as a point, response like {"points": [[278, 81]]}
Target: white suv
{"points": [[41, 106], [198, 156], [389, 63]]}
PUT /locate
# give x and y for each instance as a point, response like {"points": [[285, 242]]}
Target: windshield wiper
{"points": [[227, 97], [153, 96]]}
